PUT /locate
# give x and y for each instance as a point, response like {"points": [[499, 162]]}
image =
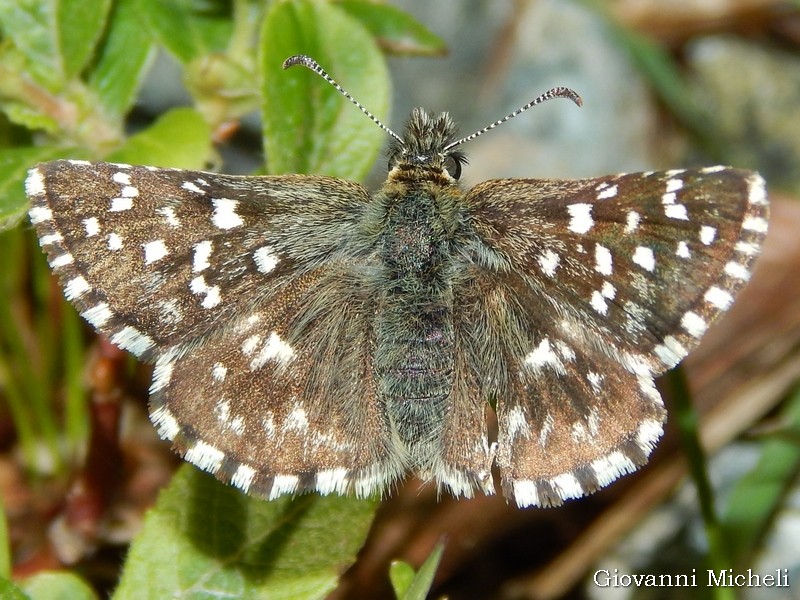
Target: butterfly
{"points": [[309, 335]]}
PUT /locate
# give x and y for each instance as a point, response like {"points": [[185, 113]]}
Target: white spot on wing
{"points": [[274, 348], [225, 216], [683, 250], [599, 303], [581, 217], [219, 371], [169, 215], [62, 260], [114, 242], [97, 315], [332, 480], [707, 234], [188, 185], [51, 238], [92, 226], [131, 339], [757, 224], [154, 251], [544, 356], [121, 204], [515, 423], [283, 484], [676, 211], [526, 493], [202, 252], [671, 352], [122, 178], [643, 256], [648, 434], [567, 486], [243, 477], [162, 373], [758, 190], [265, 259], [548, 261], [602, 260], [694, 324], [611, 467], [165, 423], [607, 193], [718, 297], [76, 287], [674, 184], [34, 186], [296, 420], [632, 221], [737, 271], [211, 293], [205, 456]]}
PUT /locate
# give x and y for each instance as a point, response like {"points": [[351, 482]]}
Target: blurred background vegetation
{"points": [[198, 84]]}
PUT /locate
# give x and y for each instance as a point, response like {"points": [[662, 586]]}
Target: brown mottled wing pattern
{"points": [[240, 290], [589, 290]]}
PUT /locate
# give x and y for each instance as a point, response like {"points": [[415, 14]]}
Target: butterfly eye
{"points": [[453, 166]]}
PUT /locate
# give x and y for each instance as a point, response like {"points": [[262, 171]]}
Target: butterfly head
{"points": [[426, 146]]}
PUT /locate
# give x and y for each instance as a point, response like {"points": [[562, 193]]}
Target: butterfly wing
{"points": [[592, 288], [214, 278]]}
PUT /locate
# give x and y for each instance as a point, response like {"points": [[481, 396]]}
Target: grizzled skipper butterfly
{"points": [[310, 336]]}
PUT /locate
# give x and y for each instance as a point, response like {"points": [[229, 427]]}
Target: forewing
{"points": [[155, 257], [594, 287], [242, 292]]}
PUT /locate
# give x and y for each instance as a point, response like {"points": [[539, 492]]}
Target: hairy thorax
{"points": [[414, 324]]}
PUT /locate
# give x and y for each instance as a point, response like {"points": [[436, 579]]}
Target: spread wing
{"points": [[582, 292], [241, 291]]}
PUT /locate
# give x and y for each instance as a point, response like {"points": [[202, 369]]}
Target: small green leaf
{"points": [[205, 539], [396, 31], [122, 59], [9, 591], [56, 37], [185, 30], [758, 495], [57, 585], [27, 24], [423, 580], [179, 138], [14, 165], [79, 25], [308, 126], [401, 574], [5, 545]]}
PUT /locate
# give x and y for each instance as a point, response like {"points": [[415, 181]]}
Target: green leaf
{"points": [[205, 539], [758, 495], [5, 544], [308, 126], [9, 591], [396, 31], [423, 580], [14, 165], [401, 574], [123, 59], [79, 23], [179, 138], [185, 30], [56, 37], [57, 586]]}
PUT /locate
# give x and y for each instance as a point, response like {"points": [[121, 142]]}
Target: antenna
{"points": [[557, 92], [310, 63]]}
